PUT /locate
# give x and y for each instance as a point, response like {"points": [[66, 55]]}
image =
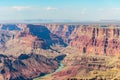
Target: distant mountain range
{"points": [[36, 21], [60, 21]]}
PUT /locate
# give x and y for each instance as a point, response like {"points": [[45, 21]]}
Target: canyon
{"points": [[90, 39], [86, 51]]}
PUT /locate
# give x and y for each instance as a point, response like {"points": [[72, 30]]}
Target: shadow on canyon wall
{"points": [[43, 33], [10, 27]]}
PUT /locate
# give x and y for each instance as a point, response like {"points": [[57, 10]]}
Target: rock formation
{"points": [[94, 45], [26, 67], [91, 39]]}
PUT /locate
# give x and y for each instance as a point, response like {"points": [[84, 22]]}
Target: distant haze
{"points": [[66, 10]]}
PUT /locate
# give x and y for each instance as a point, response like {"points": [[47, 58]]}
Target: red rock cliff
{"points": [[91, 39]]}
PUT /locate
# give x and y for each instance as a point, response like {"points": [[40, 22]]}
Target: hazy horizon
{"points": [[81, 10]]}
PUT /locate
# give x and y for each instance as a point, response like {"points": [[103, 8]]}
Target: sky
{"points": [[81, 10]]}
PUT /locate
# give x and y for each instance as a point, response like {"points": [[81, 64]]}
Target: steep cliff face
{"points": [[42, 32], [14, 40], [26, 67], [91, 39], [98, 40], [66, 32]]}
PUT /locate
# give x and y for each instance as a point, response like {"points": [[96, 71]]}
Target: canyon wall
{"points": [[96, 40], [26, 67], [90, 39], [24, 38]]}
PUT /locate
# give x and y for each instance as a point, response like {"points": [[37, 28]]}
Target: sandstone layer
{"points": [[90, 39]]}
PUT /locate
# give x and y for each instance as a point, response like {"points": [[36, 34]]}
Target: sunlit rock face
{"points": [[98, 40], [91, 39], [26, 37], [66, 32], [15, 39]]}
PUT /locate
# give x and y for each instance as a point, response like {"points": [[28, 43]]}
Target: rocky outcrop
{"points": [[26, 67]]}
